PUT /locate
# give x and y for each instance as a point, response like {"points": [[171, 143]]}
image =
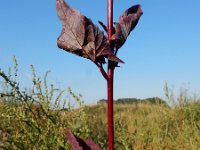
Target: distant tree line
{"points": [[153, 100]]}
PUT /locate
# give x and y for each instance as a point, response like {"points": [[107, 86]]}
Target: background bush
{"points": [[37, 119]]}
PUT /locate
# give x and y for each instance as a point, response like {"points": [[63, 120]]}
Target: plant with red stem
{"points": [[81, 37]]}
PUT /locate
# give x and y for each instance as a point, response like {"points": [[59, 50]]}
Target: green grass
{"points": [[136, 127], [150, 126], [35, 119]]}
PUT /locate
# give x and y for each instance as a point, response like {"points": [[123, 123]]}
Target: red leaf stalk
{"points": [[111, 67]]}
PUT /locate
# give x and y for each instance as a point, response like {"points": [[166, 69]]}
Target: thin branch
{"points": [[103, 72], [6, 95]]}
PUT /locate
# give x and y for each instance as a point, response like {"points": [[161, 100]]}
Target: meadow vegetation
{"points": [[37, 118]]}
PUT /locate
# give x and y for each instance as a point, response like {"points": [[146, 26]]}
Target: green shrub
{"points": [[37, 119], [31, 119]]}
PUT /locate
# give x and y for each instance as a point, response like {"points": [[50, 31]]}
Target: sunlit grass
{"points": [[35, 119]]}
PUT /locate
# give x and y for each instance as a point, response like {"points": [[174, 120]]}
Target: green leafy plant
{"points": [[32, 119], [29, 121]]}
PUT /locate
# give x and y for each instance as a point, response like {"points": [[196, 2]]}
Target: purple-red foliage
{"points": [[81, 37], [79, 144], [126, 23]]}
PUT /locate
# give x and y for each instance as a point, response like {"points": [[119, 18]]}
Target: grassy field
{"points": [[138, 126], [36, 119]]}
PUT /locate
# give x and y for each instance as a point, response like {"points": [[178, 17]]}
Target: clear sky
{"points": [[165, 46]]}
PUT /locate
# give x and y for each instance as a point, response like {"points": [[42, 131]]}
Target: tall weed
{"points": [[37, 118]]}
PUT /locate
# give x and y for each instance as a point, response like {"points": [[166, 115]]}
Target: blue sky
{"points": [[165, 46]]}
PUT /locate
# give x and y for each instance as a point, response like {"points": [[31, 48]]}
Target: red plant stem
{"points": [[110, 19], [110, 74], [110, 109]]}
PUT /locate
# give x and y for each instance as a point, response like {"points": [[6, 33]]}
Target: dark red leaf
{"points": [[73, 141], [81, 37], [79, 144], [126, 23], [103, 25], [93, 145]]}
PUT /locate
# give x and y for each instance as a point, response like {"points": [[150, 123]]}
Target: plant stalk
{"points": [[110, 108], [110, 79]]}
